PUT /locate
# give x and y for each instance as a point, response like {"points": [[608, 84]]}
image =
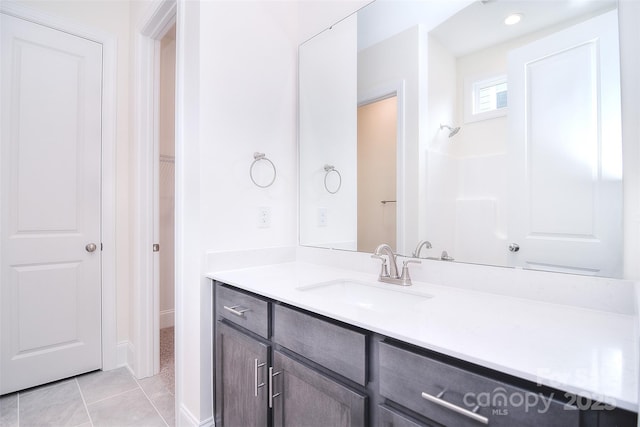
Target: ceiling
{"points": [[481, 24]]}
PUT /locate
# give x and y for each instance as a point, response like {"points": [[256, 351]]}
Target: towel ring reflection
{"points": [[329, 169], [256, 158]]}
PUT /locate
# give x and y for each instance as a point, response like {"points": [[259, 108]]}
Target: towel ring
{"points": [[256, 158], [329, 169]]}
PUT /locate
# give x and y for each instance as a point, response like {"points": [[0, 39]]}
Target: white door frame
{"points": [[108, 175], [158, 19]]}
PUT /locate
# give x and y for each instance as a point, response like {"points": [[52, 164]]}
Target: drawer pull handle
{"points": [[272, 396], [455, 408], [235, 310], [256, 366]]}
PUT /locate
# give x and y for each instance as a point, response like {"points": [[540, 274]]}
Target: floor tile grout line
{"points": [[112, 396], [84, 401], [151, 401], [47, 386]]}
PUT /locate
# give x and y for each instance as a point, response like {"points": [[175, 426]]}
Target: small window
{"points": [[486, 98]]}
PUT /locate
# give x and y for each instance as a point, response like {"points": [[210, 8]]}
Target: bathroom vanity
{"points": [[299, 344]]}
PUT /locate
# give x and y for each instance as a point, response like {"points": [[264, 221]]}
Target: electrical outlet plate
{"points": [[323, 217], [264, 217]]}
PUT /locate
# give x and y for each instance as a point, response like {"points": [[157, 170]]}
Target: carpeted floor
{"points": [[167, 360]]}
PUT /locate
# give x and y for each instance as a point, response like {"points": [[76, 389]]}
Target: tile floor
{"points": [[111, 398]]}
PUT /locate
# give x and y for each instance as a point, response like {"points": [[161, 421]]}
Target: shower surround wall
{"points": [[466, 186]]}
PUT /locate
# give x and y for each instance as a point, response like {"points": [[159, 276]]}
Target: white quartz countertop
{"points": [[581, 351]]}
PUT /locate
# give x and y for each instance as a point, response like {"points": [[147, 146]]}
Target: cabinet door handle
{"points": [[455, 408], [235, 310], [256, 366], [272, 396]]}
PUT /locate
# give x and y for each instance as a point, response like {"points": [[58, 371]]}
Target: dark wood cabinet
{"points": [[304, 397], [256, 385], [241, 374], [389, 417], [453, 396], [280, 366], [340, 349]]}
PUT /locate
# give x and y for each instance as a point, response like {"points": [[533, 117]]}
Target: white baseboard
{"points": [[125, 354], [167, 318], [122, 356], [186, 418]]}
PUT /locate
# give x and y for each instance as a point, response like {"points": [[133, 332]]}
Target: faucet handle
{"points": [[384, 272], [405, 269]]}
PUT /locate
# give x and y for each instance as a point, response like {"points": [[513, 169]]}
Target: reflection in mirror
{"points": [[328, 127], [505, 136], [377, 137]]}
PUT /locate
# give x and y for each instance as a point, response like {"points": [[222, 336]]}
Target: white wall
{"points": [[111, 17], [315, 16], [240, 97], [193, 347], [629, 16], [248, 86]]}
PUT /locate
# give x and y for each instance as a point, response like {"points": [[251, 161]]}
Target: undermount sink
{"points": [[367, 295]]}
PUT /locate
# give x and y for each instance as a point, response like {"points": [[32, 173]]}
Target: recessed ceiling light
{"points": [[513, 19]]}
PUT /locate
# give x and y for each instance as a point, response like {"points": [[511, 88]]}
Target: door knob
{"points": [[91, 247], [514, 247]]}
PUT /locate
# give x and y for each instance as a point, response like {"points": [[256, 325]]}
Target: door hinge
{"points": [[156, 247], [101, 246]]}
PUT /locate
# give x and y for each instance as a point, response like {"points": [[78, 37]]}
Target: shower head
{"points": [[452, 130]]}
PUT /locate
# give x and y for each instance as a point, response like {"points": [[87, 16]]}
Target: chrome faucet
{"points": [[385, 249], [421, 244], [391, 275]]}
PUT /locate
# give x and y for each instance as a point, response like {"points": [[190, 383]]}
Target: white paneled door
{"points": [[566, 150], [50, 160]]}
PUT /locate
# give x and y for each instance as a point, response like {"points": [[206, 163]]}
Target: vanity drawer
{"points": [[339, 349], [243, 309], [416, 381]]}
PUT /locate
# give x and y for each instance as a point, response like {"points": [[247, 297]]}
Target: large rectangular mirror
{"points": [[498, 142]]}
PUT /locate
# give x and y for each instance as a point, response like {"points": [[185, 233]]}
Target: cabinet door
{"points": [[242, 366], [304, 397], [390, 418]]}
